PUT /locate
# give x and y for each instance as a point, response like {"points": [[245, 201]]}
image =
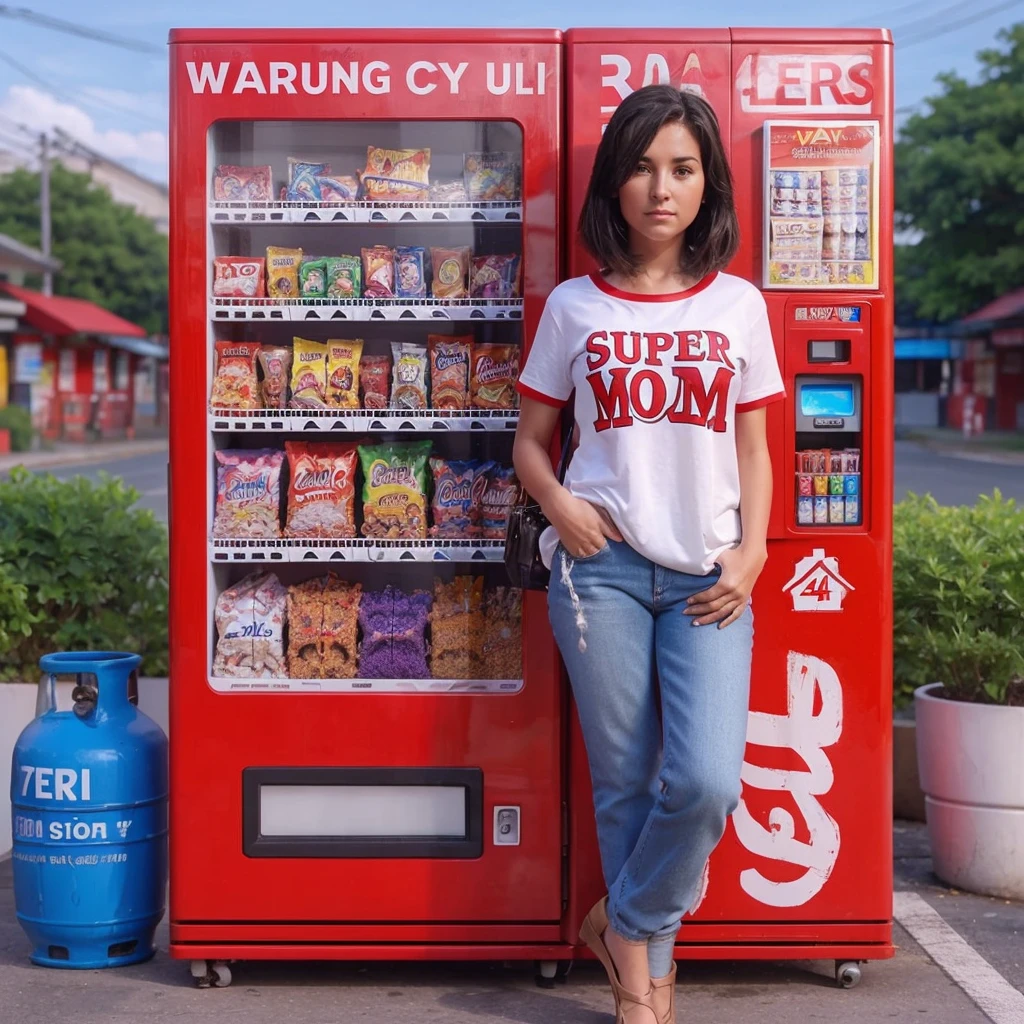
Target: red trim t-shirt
{"points": [[659, 380]]}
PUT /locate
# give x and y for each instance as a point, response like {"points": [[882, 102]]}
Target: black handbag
{"points": [[526, 522]]}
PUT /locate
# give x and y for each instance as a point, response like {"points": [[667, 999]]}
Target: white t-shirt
{"points": [[658, 380]]}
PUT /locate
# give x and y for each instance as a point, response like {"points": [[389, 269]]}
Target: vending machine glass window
{"points": [[366, 316]]}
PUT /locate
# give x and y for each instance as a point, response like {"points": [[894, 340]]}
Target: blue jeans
{"points": [[662, 789]]}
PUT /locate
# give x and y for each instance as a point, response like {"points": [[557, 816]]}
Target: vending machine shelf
{"points": [[331, 310], [364, 213], [362, 420], [357, 550], [229, 685]]}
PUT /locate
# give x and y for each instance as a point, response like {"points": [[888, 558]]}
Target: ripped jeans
{"points": [[662, 790]]}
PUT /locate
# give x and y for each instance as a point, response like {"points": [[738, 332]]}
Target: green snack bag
{"points": [[344, 277], [313, 279], [395, 489]]}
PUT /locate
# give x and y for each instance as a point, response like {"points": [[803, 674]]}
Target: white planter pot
{"points": [[18, 708], [971, 762]]}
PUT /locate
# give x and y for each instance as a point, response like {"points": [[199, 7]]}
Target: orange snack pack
{"points": [[495, 372], [234, 384], [449, 370], [343, 373], [451, 272]]}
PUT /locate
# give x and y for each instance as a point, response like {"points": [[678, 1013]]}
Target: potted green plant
{"points": [[958, 594]]}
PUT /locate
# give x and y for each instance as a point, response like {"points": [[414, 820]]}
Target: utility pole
{"points": [[44, 207]]}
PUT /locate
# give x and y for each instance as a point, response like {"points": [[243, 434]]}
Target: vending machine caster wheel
{"points": [[211, 974], [551, 971], [847, 973]]}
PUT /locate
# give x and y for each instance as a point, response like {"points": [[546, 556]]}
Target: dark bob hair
{"points": [[714, 236]]}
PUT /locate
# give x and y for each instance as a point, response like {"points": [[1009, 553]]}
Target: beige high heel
{"points": [[629, 1006], [658, 985]]}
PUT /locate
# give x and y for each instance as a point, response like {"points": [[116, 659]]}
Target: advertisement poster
{"points": [[821, 204]]}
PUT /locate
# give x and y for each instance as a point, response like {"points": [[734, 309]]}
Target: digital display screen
{"points": [[827, 400]]}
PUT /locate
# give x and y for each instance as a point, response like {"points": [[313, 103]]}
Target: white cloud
{"points": [[145, 150]]}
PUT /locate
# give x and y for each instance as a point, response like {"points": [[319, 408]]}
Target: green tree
{"points": [[960, 183], [110, 254]]}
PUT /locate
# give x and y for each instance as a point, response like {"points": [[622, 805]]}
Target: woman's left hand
{"points": [[725, 601]]}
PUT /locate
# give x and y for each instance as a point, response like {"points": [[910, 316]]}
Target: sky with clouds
{"points": [[115, 101]]}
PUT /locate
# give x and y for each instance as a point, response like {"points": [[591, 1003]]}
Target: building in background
{"points": [[923, 377]]}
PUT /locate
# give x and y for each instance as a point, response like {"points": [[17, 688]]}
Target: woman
{"points": [[658, 534]]}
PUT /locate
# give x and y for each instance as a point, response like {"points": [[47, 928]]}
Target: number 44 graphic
{"points": [[817, 585]]}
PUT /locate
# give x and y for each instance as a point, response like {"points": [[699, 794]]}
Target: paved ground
{"points": [[956, 479], [147, 473], [904, 989]]}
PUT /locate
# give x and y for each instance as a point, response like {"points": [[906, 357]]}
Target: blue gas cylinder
{"points": [[89, 819]]}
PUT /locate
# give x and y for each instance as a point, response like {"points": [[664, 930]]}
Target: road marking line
{"points": [[993, 994]]}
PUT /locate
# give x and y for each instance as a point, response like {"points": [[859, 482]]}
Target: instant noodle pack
{"points": [[447, 372], [375, 272], [328, 628], [407, 493]]}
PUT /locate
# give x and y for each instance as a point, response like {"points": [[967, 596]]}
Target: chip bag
{"points": [[397, 175], [309, 375], [238, 277], [495, 372], [379, 272], [343, 373], [491, 177], [495, 277], [395, 489], [410, 376], [451, 267], [497, 495], [455, 504], [248, 493], [321, 489], [250, 629], [341, 188], [234, 383], [233, 184], [375, 381], [410, 272], [303, 186], [449, 371], [457, 628], [283, 272], [313, 278], [344, 277], [276, 361]]}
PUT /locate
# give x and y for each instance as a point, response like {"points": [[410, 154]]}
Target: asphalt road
{"points": [[953, 480]]}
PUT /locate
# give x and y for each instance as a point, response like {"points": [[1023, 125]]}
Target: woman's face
{"points": [[663, 195]]}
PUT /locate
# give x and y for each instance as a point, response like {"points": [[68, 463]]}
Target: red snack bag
{"points": [[375, 381], [234, 384], [238, 277], [449, 371], [321, 489], [234, 184], [495, 372]]}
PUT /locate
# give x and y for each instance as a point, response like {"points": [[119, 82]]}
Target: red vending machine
{"points": [[366, 756], [805, 867]]}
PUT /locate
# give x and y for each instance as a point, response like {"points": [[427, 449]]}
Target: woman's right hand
{"points": [[583, 529]]}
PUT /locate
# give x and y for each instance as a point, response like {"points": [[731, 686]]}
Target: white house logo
{"points": [[817, 585]]}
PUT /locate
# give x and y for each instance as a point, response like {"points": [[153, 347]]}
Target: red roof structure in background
{"points": [[56, 314], [1010, 304]]}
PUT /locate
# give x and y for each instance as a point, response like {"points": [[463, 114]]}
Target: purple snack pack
{"points": [[394, 627]]}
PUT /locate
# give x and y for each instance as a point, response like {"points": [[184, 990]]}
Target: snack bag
{"points": [[344, 277], [343, 373], [502, 648], [321, 489], [410, 386], [283, 272], [233, 184], [303, 186], [342, 188], [410, 272], [323, 620], [341, 623], [395, 489], [313, 279], [457, 628], [495, 277], [250, 629], [234, 383], [455, 505], [496, 498], [305, 629], [449, 370], [248, 493], [495, 372], [451, 267], [276, 361], [375, 381], [309, 375], [379, 272], [448, 192], [397, 175], [491, 177], [394, 626], [238, 277]]}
